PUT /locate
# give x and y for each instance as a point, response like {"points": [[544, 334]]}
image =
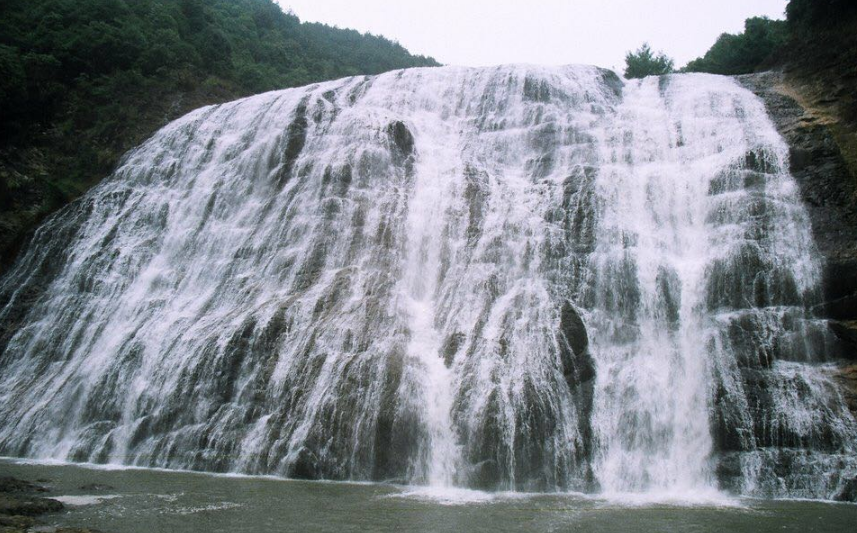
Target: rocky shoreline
{"points": [[22, 504]]}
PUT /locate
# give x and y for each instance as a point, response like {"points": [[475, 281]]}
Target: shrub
{"points": [[644, 62]]}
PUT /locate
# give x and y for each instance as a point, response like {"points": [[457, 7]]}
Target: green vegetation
{"points": [[82, 81], [644, 62], [814, 14], [766, 43], [745, 52], [101, 49]]}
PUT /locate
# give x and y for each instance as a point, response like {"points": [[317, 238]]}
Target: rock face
{"points": [[827, 186], [847, 377]]}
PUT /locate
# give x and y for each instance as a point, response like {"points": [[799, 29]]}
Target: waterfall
{"points": [[509, 278]]}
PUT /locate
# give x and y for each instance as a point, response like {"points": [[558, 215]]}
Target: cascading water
{"points": [[505, 278]]}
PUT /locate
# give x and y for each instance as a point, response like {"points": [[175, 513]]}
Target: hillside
{"points": [[83, 81]]}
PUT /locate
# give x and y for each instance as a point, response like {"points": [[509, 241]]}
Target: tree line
{"points": [[762, 44]]}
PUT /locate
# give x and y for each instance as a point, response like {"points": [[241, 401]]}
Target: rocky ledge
{"points": [[847, 376], [22, 502]]}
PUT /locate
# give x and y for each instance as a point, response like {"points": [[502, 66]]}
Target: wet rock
{"points": [[15, 485], [337, 181], [295, 140], [486, 449], [403, 140], [536, 90], [758, 161], [848, 493], [846, 376], [485, 475], [669, 293], [27, 505], [729, 473], [753, 340], [579, 371], [612, 81], [399, 430], [578, 208], [846, 331], [451, 346], [535, 424], [20, 503], [819, 164], [475, 193], [730, 431], [577, 363], [750, 279], [9, 524], [572, 327], [306, 466]]}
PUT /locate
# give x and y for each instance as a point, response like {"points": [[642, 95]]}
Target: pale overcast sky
{"points": [[547, 32]]}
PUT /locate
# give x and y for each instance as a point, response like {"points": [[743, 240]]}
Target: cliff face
{"points": [[828, 187], [815, 116]]}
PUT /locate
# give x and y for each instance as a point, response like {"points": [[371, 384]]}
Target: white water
{"points": [[387, 279]]}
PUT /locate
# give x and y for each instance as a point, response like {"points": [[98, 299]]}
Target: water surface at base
{"points": [[162, 501]]}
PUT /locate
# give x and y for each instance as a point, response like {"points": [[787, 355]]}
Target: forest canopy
{"points": [[745, 52], [100, 50], [83, 81], [764, 43]]}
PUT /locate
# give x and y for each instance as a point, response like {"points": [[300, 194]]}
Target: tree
{"points": [[806, 14], [745, 52], [644, 62]]}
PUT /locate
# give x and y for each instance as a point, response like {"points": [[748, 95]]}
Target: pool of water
{"points": [[140, 500]]}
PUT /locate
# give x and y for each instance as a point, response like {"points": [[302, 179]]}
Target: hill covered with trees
{"points": [[815, 34], [745, 52], [83, 81]]}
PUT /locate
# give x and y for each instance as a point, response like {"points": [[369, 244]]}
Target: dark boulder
{"points": [[295, 139], [306, 466], [536, 90], [846, 331], [846, 376], [15, 485], [14, 524], [578, 367], [403, 140], [476, 196], [451, 346], [612, 81], [577, 363], [848, 492], [21, 505], [399, 430]]}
